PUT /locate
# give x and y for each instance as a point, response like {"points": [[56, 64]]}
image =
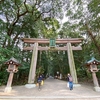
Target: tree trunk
{"points": [[92, 37]]}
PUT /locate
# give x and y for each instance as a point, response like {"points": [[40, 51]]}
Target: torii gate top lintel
{"points": [[46, 41]]}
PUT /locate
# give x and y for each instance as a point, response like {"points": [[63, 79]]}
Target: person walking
{"points": [[70, 81], [39, 80]]}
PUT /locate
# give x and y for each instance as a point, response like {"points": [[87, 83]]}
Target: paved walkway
{"points": [[52, 88]]}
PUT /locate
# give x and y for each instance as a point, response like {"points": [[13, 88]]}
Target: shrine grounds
{"points": [[53, 89]]}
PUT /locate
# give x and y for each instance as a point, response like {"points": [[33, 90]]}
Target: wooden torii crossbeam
{"points": [[68, 48], [58, 41], [56, 48]]}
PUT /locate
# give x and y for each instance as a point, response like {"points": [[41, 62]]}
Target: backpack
{"points": [[70, 79]]}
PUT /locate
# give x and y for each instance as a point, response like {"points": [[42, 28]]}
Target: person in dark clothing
{"points": [[43, 77], [39, 80], [70, 81]]}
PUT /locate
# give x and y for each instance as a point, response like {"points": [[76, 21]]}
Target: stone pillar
{"points": [[71, 63], [95, 81], [31, 78], [9, 83]]}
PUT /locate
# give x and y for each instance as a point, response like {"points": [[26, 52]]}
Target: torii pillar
{"points": [[71, 63], [33, 64]]}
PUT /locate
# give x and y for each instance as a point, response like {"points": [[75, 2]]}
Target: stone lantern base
{"points": [[30, 85], [76, 85], [97, 89], [8, 89]]}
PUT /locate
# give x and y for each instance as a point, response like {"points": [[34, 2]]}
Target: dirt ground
{"points": [[52, 88]]}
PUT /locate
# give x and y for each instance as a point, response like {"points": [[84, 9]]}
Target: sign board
{"points": [[52, 43]]}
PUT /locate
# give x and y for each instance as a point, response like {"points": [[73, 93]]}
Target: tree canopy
{"points": [[44, 19]]}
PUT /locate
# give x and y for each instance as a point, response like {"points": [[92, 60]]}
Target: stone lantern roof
{"points": [[92, 61], [12, 61]]}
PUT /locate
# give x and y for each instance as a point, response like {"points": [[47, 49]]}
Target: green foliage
{"points": [[94, 7], [3, 77], [39, 71], [53, 62], [19, 19]]}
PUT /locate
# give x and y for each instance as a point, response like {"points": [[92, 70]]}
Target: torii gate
{"points": [[68, 48]]}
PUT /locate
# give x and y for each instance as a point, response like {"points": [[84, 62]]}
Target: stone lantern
{"points": [[12, 68], [92, 67]]}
